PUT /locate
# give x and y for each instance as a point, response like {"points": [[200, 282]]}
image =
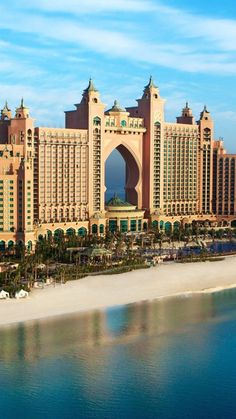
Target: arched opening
{"points": [[70, 232], [82, 231], [122, 175], [168, 227], [96, 120], [58, 233], [155, 224], [162, 225], [115, 175], [2, 246], [94, 229], [29, 246], [233, 224], [101, 229], [49, 234], [10, 244], [176, 225]]}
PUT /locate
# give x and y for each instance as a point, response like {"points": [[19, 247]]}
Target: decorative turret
{"points": [[187, 111], [118, 115], [90, 93], [150, 89], [151, 84], [91, 87], [205, 114], [6, 112], [22, 112], [116, 108], [187, 116]]}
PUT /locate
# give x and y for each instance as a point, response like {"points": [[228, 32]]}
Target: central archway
{"points": [[115, 175], [132, 175]]}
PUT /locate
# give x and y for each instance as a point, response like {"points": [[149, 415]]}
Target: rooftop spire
{"points": [[187, 109], [91, 87], [205, 114], [151, 84], [6, 112], [5, 108], [187, 115], [22, 104], [22, 111]]}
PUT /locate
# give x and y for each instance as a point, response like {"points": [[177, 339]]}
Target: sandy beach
{"points": [[99, 292]]}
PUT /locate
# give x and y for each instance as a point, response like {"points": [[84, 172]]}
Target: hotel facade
{"points": [[52, 180]]}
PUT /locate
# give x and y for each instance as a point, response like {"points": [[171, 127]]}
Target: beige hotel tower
{"points": [[53, 180]]}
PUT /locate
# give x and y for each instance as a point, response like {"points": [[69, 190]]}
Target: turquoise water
{"points": [[167, 359]]}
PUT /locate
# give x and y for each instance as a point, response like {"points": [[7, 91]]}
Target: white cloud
{"points": [[220, 32], [74, 31], [120, 44], [89, 6]]}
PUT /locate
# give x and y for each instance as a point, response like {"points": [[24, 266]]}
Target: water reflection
{"points": [[119, 325]]}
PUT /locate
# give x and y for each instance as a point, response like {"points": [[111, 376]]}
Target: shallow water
{"points": [[167, 359]]}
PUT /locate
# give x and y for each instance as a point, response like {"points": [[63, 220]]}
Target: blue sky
{"points": [[50, 48]]}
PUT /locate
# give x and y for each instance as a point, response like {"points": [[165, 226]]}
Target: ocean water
{"points": [[168, 359]]}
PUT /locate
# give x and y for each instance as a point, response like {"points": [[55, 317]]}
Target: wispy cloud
{"points": [[220, 32], [89, 6], [49, 48], [176, 55]]}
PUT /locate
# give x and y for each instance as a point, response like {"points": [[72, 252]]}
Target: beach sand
{"points": [[103, 291]]}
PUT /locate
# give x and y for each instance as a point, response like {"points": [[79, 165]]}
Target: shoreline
{"points": [[106, 291]]}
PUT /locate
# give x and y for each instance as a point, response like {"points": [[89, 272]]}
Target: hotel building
{"points": [[224, 185], [16, 177], [53, 179]]}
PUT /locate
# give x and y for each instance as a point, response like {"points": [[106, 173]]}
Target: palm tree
{"points": [[213, 234], [130, 243], [187, 235], [159, 236], [121, 247], [204, 233]]}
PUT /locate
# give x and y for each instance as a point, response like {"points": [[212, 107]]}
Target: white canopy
{"points": [[21, 294], [4, 295]]}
